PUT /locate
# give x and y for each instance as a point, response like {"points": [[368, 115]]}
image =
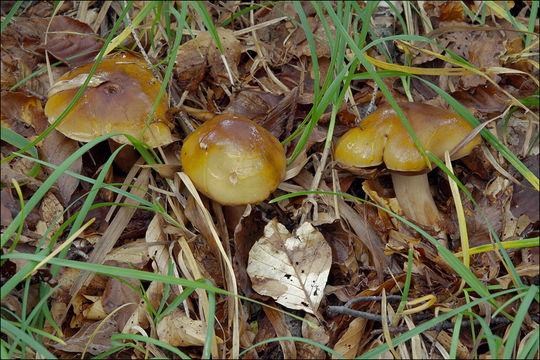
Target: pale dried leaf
{"points": [[291, 269], [445, 340], [348, 344], [177, 329], [95, 311], [51, 214], [418, 347], [134, 253], [158, 253]]}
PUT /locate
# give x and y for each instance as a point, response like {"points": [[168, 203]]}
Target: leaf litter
{"points": [[279, 254]]}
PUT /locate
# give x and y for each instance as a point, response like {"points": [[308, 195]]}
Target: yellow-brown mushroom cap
{"points": [[119, 98], [233, 161], [381, 137]]}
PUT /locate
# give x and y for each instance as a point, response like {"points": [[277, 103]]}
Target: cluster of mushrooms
{"points": [[234, 161]]}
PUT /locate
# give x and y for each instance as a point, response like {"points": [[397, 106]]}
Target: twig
{"points": [[450, 325], [139, 45]]}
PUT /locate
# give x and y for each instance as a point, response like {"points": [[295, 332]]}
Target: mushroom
{"points": [[233, 161], [119, 98], [381, 137]]}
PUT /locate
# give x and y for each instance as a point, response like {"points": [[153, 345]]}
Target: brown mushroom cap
{"points": [[233, 161], [119, 98], [381, 137]]}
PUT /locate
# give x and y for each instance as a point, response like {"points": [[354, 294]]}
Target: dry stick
{"points": [[129, 178], [262, 58], [101, 15], [113, 232], [82, 11], [139, 45], [447, 324]]}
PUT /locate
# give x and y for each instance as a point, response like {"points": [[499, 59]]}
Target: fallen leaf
{"points": [[98, 341], [279, 120], [349, 343], [177, 329], [291, 269], [22, 113], [484, 51], [265, 331], [195, 56], [319, 334], [9, 207], [277, 319], [445, 340], [247, 231], [69, 37], [95, 311], [299, 45], [118, 293], [252, 104], [134, 253], [451, 10], [141, 315], [51, 216]]}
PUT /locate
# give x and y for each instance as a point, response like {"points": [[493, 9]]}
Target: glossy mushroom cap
{"points": [[381, 137], [233, 161], [119, 98]]}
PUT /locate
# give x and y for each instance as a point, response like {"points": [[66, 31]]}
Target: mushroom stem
{"points": [[415, 199]]}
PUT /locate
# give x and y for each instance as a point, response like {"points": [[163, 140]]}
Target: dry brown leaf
{"points": [[195, 56], [484, 51], [349, 343], [13, 304], [134, 253], [51, 216], [57, 148], [525, 200], [252, 104], [141, 315], [291, 269], [118, 293], [319, 335], [299, 45], [21, 113], [95, 311], [530, 270], [22, 39], [6, 204], [282, 330], [100, 343], [177, 329], [248, 230], [343, 255], [68, 37], [451, 10]]}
